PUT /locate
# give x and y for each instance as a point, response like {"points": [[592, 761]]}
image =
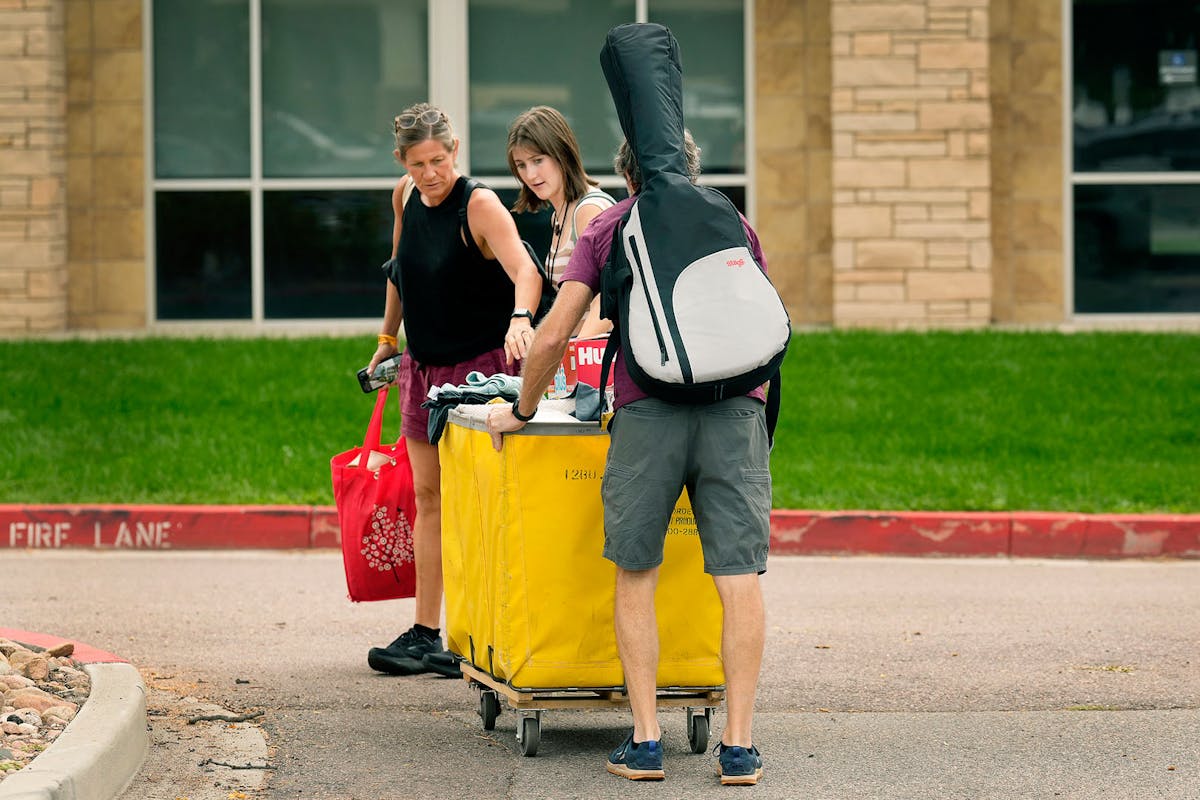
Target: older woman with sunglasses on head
{"points": [[544, 155], [465, 301]]}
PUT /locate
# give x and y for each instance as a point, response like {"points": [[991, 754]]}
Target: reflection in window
{"points": [[201, 89], [322, 253], [1137, 249], [1136, 98], [202, 255], [334, 76], [527, 54], [712, 50]]}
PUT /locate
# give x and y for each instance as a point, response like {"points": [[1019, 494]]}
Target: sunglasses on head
{"points": [[430, 117]]}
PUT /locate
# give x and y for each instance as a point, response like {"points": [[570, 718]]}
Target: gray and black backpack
{"points": [[693, 310]]}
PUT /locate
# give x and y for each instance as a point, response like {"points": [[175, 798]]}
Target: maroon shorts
{"points": [[415, 381]]}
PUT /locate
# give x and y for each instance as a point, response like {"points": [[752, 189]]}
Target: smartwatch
{"points": [[522, 312], [516, 412]]}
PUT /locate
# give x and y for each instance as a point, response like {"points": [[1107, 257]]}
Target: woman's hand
{"points": [[384, 350], [518, 339]]}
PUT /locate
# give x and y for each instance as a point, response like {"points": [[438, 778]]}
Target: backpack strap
{"points": [[610, 352], [471, 186], [548, 289], [610, 309], [774, 390]]}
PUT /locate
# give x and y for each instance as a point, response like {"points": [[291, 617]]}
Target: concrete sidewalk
{"points": [[1018, 534]]}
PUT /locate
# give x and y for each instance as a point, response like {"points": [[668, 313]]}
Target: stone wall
{"points": [[33, 226], [793, 215], [106, 188], [911, 171]]}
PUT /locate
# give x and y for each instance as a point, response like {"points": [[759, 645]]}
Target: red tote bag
{"points": [[377, 506]]}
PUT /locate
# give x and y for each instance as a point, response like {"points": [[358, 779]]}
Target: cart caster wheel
{"points": [[489, 708], [531, 736], [697, 728]]}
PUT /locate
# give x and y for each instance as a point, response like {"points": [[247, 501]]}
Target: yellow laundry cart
{"points": [[529, 597]]}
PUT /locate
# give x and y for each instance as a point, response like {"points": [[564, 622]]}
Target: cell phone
{"points": [[385, 373]]}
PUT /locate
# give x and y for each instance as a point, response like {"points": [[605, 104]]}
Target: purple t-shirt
{"points": [[591, 251]]}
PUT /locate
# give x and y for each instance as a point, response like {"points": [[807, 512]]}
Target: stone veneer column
{"points": [[1027, 161], [911, 170], [33, 220], [793, 211], [106, 190]]}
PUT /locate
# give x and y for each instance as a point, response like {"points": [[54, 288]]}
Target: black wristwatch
{"points": [[516, 408], [522, 312]]}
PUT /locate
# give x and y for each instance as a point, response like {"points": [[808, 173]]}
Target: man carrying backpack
{"points": [[719, 451]]}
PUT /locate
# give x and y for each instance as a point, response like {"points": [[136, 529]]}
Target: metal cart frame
{"points": [[529, 704]]}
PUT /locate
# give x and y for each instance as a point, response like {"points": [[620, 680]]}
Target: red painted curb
{"points": [[882, 532], [154, 527], [1022, 534], [910, 533], [83, 653]]}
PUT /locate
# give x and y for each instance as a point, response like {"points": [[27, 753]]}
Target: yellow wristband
{"points": [[383, 338]]}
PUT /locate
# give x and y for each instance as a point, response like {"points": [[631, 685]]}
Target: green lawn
{"points": [[956, 421]]}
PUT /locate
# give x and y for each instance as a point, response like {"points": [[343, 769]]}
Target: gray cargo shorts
{"points": [[719, 452]]}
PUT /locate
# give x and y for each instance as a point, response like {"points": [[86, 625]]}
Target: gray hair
{"points": [[625, 162], [407, 137]]}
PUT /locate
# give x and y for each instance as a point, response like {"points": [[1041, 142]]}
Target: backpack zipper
{"points": [[631, 244]]}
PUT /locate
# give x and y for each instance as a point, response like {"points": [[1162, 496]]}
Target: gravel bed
{"points": [[42, 690]]}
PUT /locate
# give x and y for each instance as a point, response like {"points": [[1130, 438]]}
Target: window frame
{"points": [[449, 88], [1073, 179]]}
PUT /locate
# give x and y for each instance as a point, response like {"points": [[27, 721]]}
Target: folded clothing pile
{"points": [[478, 389]]}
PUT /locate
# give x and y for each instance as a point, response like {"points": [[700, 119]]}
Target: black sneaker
{"points": [[738, 766], [444, 663], [640, 761], [405, 655]]}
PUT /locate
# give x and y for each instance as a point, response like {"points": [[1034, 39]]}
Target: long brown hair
{"points": [[543, 129]]}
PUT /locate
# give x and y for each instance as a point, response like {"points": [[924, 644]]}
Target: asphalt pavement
{"points": [[884, 677]]}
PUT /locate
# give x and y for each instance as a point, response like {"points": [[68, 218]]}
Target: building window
{"points": [[202, 254], [272, 136], [1135, 121], [273, 153]]}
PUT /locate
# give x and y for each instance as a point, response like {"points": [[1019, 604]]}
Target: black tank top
{"points": [[457, 304]]}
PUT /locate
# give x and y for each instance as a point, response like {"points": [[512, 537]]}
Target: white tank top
{"points": [[556, 261]]}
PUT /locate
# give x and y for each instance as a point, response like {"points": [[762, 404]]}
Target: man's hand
{"points": [[501, 421]]}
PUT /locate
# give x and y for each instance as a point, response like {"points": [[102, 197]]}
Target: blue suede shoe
{"points": [[641, 761], [738, 766]]}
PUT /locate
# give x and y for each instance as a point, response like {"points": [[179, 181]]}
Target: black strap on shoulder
{"points": [[610, 352], [548, 289], [471, 186]]}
